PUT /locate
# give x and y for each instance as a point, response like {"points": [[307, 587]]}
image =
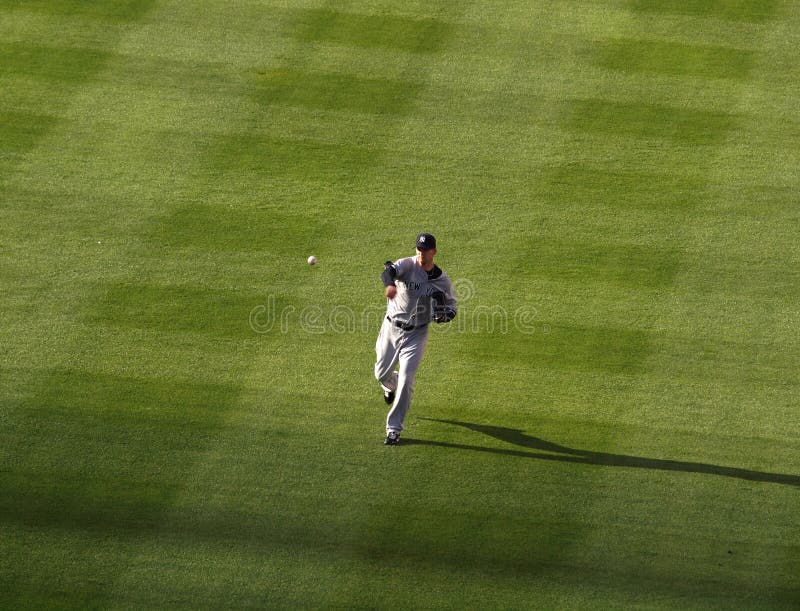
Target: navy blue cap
{"points": [[426, 241]]}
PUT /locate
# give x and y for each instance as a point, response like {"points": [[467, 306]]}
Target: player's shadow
{"points": [[555, 452]]}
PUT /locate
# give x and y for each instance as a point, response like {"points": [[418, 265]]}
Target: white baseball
{"points": [[312, 260]]}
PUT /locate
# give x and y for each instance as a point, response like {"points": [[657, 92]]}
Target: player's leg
{"points": [[411, 353], [387, 354]]}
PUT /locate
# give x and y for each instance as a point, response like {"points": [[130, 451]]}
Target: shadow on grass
{"points": [[571, 455]]}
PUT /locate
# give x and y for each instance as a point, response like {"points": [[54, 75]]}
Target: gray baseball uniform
{"points": [[421, 297]]}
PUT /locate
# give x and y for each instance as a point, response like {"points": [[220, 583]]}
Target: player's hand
{"points": [[443, 315], [391, 292]]}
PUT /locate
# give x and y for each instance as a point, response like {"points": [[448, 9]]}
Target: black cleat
{"points": [[388, 397], [392, 439]]}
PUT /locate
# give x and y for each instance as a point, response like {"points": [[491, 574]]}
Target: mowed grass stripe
{"points": [[657, 120], [335, 91], [272, 229], [20, 131], [665, 57], [650, 266], [178, 309], [629, 189], [127, 11], [407, 34], [64, 65], [248, 156], [752, 11], [560, 346]]}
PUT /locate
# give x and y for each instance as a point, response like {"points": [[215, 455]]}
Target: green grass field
{"points": [[188, 415]]}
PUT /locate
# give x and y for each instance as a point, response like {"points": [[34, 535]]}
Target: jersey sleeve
{"points": [[403, 266]]}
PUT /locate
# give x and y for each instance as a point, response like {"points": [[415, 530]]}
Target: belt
{"points": [[404, 326]]}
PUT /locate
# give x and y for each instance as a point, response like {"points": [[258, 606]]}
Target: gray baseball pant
{"points": [[406, 347]]}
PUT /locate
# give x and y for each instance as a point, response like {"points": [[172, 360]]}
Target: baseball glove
{"points": [[441, 312]]}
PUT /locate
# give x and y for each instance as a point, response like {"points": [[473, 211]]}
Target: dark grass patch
{"points": [[660, 57], [50, 63], [20, 131], [510, 544], [682, 125], [221, 228], [113, 10], [178, 309], [123, 400], [91, 501], [370, 31], [265, 157], [335, 91], [637, 266], [755, 11], [102, 451], [578, 184]]}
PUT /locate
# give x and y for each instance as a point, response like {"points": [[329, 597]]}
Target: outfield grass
{"points": [[188, 413]]}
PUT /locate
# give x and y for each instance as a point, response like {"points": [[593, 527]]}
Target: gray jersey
{"points": [[413, 304]]}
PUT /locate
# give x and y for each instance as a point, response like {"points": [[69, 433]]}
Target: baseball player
{"points": [[417, 292]]}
